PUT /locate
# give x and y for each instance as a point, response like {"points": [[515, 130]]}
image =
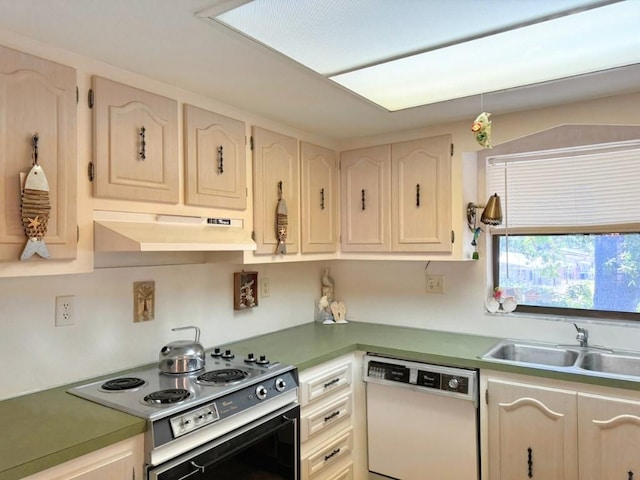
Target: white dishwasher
{"points": [[422, 420]]}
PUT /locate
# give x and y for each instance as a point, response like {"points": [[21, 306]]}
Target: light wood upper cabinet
{"points": [[421, 195], [275, 160], [532, 432], [319, 202], [609, 435], [37, 96], [215, 166], [397, 198], [135, 143], [365, 187]]}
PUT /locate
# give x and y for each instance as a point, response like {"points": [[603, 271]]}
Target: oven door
{"points": [[268, 448]]}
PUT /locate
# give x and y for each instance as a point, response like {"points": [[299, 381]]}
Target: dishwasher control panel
{"points": [[441, 379]]}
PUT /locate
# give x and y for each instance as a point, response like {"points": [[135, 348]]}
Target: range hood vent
{"points": [[122, 232]]}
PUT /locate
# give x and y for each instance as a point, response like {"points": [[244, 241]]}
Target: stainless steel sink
{"points": [[590, 360], [611, 363], [532, 353]]}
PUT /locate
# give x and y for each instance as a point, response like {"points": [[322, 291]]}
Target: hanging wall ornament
{"points": [[282, 223], [35, 207], [481, 129]]}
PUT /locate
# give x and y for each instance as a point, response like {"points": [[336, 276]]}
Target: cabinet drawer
{"points": [[328, 454], [325, 416], [318, 385], [345, 473]]}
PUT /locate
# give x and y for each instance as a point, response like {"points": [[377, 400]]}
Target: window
{"points": [[570, 240]]}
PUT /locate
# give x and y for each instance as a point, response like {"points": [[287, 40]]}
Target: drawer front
{"points": [[345, 473], [317, 420], [316, 386], [328, 454]]}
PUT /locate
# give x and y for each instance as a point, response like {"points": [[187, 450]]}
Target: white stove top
{"points": [[187, 385]]}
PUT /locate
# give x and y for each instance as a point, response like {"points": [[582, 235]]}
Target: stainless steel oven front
{"points": [[265, 449]]}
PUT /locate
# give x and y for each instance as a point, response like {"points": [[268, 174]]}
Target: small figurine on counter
{"points": [[327, 285], [324, 311]]}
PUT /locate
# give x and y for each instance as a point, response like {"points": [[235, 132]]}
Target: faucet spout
{"points": [[583, 336]]}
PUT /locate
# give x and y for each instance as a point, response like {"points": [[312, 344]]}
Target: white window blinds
{"points": [[593, 188]]}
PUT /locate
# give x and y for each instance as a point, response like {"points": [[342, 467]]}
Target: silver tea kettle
{"points": [[182, 356]]}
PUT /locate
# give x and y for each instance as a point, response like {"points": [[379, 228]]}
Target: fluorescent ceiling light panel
{"points": [[405, 53]]}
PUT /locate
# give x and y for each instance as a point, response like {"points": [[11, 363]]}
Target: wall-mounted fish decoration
{"points": [[481, 129], [35, 207], [282, 222]]}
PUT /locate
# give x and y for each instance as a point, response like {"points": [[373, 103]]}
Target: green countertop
{"points": [[50, 427]]}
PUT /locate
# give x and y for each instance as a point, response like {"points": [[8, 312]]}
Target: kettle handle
{"points": [[186, 328]]}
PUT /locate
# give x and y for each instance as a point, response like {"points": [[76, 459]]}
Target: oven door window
{"points": [[266, 451]]}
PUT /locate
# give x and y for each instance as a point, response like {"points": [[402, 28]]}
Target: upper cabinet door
{"points": [[37, 96], [215, 160], [421, 195], [135, 143], [365, 194], [275, 162], [319, 192]]}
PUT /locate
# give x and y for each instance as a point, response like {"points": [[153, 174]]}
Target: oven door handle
{"points": [[200, 469]]}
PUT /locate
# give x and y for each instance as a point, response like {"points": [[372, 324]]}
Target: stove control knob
{"points": [[216, 352], [228, 355], [263, 360], [453, 383], [250, 358], [280, 384], [261, 392]]}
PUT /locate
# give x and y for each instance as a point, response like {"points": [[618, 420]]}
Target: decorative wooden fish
{"points": [[35, 207], [481, 128], [282, 222]]}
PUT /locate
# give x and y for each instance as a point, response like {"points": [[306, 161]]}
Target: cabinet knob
{"points": [[417, 195], [363, 200], [143, 144], [220, 160]]}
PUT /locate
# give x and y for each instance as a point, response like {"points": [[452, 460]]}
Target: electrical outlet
{"points": [[64, 311], [265, 287], [435, 283]]}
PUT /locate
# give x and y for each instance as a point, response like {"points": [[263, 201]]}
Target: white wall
{"points": [[35, 354]]}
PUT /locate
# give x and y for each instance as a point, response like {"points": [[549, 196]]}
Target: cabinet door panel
{"points": [[37, 96], [319, 191], [421, 201], [135, 143], [365, 187], [532, 432], [215, 165], [275, 159], [609, 435]]}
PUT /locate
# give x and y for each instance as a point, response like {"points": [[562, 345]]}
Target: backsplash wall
{"points": [[36, 354]]}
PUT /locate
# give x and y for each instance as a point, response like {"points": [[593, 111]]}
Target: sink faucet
{"points": [[583, 336]]}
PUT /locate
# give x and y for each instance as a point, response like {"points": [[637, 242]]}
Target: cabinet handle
{"points": [[332, 454], [34, 147], [333, 415], [530, 462], [332, 382], [143, 144], [363, 202], [322, 199], [630, 472], [220, 161], [417, 195]]}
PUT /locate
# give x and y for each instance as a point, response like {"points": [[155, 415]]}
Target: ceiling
{"points": [[165, 40]]}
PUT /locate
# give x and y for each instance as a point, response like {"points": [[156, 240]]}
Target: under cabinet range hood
{"points": [[124, 232]]}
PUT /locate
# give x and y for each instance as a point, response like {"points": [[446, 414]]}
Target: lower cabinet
{"points": [[122, 461], [561, 431], [333, 437]]}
